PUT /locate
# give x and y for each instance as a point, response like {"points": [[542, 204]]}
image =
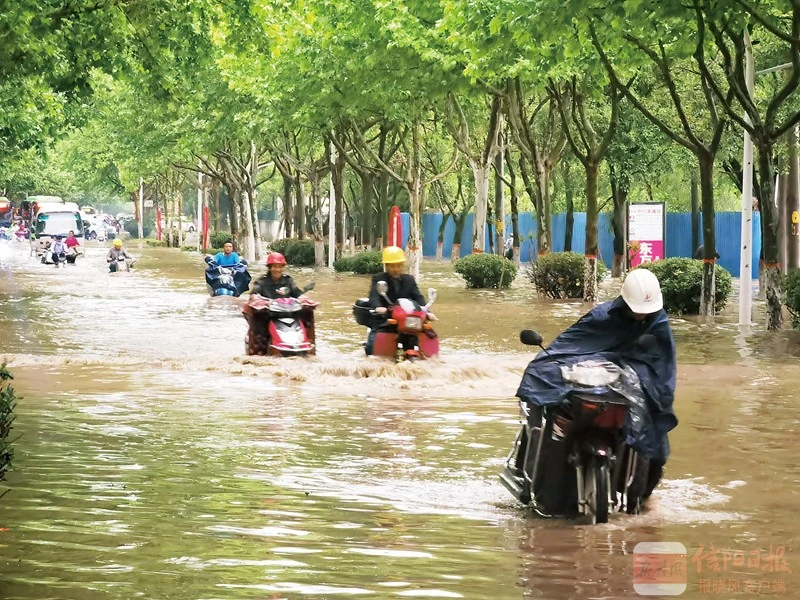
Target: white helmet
{"points": [[642, 292]]}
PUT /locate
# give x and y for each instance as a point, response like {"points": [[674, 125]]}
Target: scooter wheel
{"points": [[596, 490]]}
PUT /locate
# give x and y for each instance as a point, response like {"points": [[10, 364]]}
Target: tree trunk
{"points": [[769, 237], [590, 254], [338, 186], [367, 208], [706, 160], [300, 210], [783, 229], [440, 239], [461, 220], [180, 220], [481, 175], [570, 220], [383, 209], [619, 192], [534, 197], [499, 204], [253, 204], [514, 208], [288, 208], [248, 243], [544, 216], [217, 216], [414, 242]]}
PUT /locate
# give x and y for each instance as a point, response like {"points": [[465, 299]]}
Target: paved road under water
{"points": [[157, 461]]}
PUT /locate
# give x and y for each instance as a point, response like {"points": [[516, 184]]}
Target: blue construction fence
{"points": [[678, 243]]}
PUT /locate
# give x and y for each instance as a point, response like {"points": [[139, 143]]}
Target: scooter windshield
{"points": [[408, 305]]}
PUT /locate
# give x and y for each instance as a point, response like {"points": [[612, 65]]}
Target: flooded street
{"points": [[156, 460]]}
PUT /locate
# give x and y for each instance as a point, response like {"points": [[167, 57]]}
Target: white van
{"points": [[55, 219]]}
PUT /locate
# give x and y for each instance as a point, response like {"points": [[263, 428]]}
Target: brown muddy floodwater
{"points": [[155, 460]]}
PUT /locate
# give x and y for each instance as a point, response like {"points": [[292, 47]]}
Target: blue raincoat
{"points": [[608, 333]]}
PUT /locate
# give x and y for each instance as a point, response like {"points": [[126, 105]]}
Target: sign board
{"points": [[148, 203], [646, 232]]}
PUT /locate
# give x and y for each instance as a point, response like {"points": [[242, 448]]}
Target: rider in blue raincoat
{"points": [[612, 331]]}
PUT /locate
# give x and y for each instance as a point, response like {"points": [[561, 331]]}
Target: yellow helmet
{"points": [[118, 242], [393, 255]]}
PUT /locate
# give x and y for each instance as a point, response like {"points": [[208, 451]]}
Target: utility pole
{"points": [[199, 228], [140, 204], [746, 256], [332, 212]]}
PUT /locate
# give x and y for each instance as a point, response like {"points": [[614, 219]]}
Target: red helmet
{"points": [[275, 258]]}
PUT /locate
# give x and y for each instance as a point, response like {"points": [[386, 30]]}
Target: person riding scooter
{"points": [[226, 258], [612, 331], [59, 250], [275, 284], [117, 257], [400, 285]]}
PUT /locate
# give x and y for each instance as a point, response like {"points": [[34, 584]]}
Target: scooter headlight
{"points": [[413, 323]]}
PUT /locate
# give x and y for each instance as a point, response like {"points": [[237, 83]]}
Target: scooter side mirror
{"points": [[382, 287], [432, 293], [308, 287], [529, 337]]}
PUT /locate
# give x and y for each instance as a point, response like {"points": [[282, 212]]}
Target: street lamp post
{"points": [[746, 257]]}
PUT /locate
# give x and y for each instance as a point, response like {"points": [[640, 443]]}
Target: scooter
{"points": [[280, 326], [571, 459], [405, 332], [227, 281], [121, 265]]}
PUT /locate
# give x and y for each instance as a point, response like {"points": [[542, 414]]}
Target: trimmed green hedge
{"points": [[363, 263], [486, 270], [296, 252], [218, 238], [8, 400], [681, 282], [560, 274], [791, 285]]}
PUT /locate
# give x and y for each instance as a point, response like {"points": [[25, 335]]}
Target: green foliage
{"points": [[682, 284], [156, 243], [296, 252], [791, 285], [486, 270], [8, 400], [362, 263], [132, 227], [560, 274], [218, 238]]}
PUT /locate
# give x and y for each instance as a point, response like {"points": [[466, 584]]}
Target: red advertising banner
{"points": [[395, 228], [646, 232]]}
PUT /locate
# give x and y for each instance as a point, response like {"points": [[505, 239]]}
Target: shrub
{"points": [[297, 252], [486, 270], [156, 243], [560, 274], [132, 227], [681, 282], [363, 263], [791, 285], [218, 239], [8, 400]]}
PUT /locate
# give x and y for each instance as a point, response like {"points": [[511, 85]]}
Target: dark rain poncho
{"points": [[607, 333]]}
